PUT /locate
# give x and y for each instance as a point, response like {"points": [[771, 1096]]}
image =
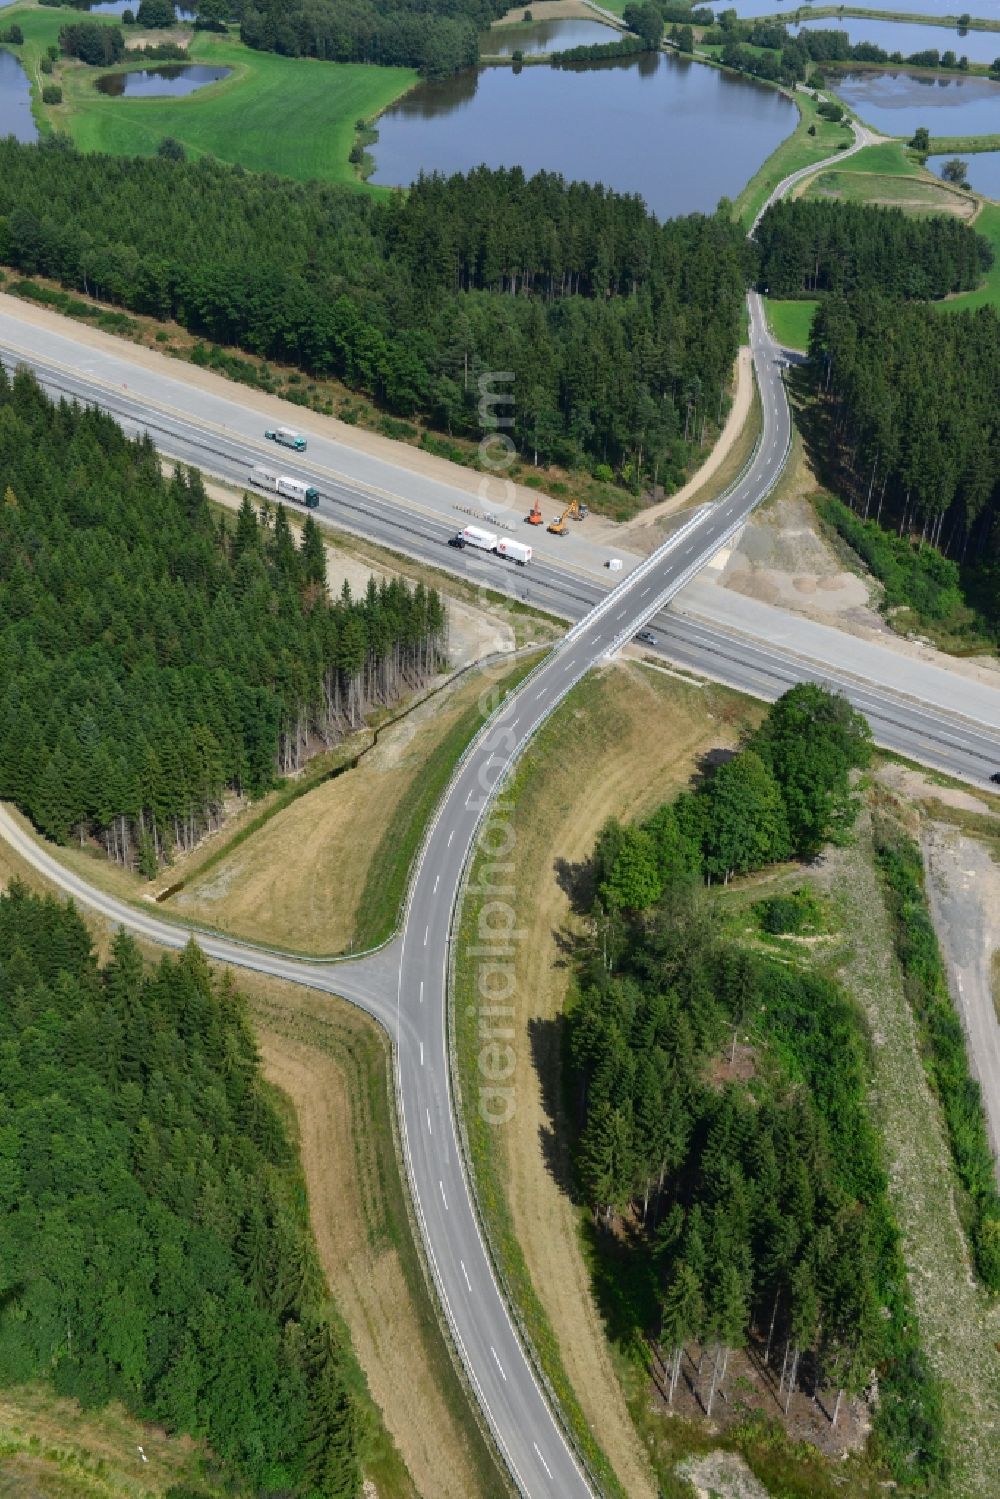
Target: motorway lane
{"points": [[416, 1016]]}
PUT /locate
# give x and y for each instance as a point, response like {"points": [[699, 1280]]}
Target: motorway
{"points": [[405, 985]]}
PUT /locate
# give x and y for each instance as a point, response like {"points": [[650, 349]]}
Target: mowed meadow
{"points": [[293, 116]]}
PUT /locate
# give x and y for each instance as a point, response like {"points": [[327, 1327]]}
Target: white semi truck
{"points": [[514, 551], [285, 486], [475, 536]]}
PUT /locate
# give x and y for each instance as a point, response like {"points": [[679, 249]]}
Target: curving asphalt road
{"points": [[404, 985]]}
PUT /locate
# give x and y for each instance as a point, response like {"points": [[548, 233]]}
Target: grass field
{"points": [[624, 739], [293, 116], [345, 849], [791, 321], [800, 150], [987, 295], [917, 195]]}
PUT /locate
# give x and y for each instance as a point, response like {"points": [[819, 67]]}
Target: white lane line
{"points": [[429, 1129], [498, 1364], [421, 1053], [568, 666], [645, 591], [539, 694], [450, 837], [465, 1272], [427, 932], [421, 991], [517, 720], [436, 884], [542, 1460], [443, 1197], [621, 615], [468, 799]]}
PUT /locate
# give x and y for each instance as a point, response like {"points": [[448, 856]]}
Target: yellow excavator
{"points": [[575, 509]]}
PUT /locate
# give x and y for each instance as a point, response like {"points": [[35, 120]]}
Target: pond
{"points": [[907, 37], [545, 36], [148, 83], [896, 103], [680, 134], [983, 10], [984, 171], [15, 100]]}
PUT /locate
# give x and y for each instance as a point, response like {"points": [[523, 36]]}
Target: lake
{"points": [[983, 10], [546, 36], [153, 83], [15, 100], [896, 103], [680, 134], [908, 37], [984, 171]]}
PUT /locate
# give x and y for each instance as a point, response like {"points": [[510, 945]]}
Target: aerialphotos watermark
{"points": [[497, 930]]}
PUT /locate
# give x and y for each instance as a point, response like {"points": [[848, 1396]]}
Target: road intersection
{"points": [[404, 985]]}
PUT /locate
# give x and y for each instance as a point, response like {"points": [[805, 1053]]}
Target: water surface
{"points": [[908, 37], [896, 103], [15, 100], [983, 10], [171, 78], [678, 133], [984, 170], [547, 36]]}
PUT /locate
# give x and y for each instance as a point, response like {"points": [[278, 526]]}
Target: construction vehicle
{"points": [[534, 515], [558, 527]]}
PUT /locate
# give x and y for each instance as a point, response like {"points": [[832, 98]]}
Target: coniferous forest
{"points": [[153, 659], [808, 247], [152, 1234], [755, 1204], [910, 398], [436, 36], [622, 331]]}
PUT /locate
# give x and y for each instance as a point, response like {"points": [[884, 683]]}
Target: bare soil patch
{"points": [[628, 738], [548, 10]]}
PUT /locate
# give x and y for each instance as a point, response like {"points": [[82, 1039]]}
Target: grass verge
{"points": [[385, 885], [790, 321], [333, 1066], [799, 150]]}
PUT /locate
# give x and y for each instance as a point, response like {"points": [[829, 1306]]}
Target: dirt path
{"points": [[959, 1327], [632, 739], [632, 532], [964, 888]]}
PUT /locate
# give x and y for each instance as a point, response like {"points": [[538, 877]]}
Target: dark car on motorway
{"points": [[647, 637], [995, 777], [456, 541]]}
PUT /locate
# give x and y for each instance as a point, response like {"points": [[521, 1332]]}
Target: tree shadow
{"points": [[708, 763], [577, 882], [547, 1039]]}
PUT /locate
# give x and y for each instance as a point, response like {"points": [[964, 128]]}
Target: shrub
{"points": [[52, 94]]}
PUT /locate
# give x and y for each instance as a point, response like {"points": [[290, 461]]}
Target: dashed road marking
{"points": [[450, 837], [443, 1197], [498, 1364], [465, 1272], [421, 1044], [430, 1130], [436, 884], [421, 991], [427, 932], [542, 1460]]}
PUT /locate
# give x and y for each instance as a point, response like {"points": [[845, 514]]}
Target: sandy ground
{"points": [[640, 747], [364, 1270], [963, 882], [782, 559], [721, 1475], [637, 532]]}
